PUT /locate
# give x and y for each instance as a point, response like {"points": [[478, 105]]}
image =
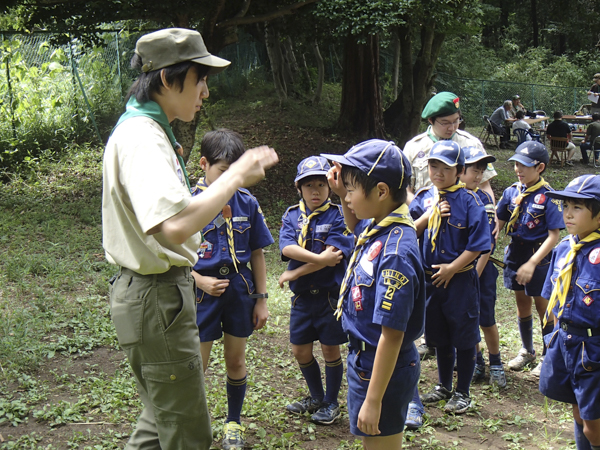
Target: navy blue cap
{"points": [[379, 159], [584, 187], [313, 165], [531, 153], [448, 152], [475, 154]]}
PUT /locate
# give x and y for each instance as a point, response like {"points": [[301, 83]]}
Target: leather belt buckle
{"points": [[224, 270]]}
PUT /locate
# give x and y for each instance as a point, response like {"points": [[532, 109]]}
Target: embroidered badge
{"points": [[205, 250], [357, 298], [393, 278], [386, 305], [530, 225], [240, 219], [374, 250], [560, 263], [310, 164], [558, 203], [536, 221], [539, 199], [538, 206], [594, 256], [389, 294], [588, 300], [421, 154], [428, 202]]}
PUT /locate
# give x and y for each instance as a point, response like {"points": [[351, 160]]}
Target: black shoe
{"points": [[306, 405], [438, 394]]}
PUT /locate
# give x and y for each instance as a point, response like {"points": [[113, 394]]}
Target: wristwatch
{"points": [[265, 295]]}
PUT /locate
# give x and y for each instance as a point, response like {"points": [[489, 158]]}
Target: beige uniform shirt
{"points": [[143, 185], [417, 151]]}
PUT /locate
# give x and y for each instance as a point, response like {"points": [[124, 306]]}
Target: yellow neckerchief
{"points": [[435, 219], [563, 281], [229, 225], [399, 216], [306, 220], [511, 226]]}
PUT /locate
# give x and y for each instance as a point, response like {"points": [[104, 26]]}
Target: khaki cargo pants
{"points": [[155, 319]]}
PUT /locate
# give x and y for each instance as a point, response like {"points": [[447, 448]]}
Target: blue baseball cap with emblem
{"points": [[448, 152], [474, 155], [379, 159], [531, 153], [582, 187], [313, 165]]}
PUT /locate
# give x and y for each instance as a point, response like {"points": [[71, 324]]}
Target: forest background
{"points": [[327, 74]]}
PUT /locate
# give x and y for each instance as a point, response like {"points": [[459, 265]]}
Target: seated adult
{"points": [[520, 123], [595, 90], [592, 132], [561, 129], [499, 119], [517, 106]]}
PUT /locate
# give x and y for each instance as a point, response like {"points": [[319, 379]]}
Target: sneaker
{"points": [[479, 374], [498, 376], [326, 414], [538, 369], [414, 416], [569, 163], [438, 394], [232, 432], [306, 405], [458, 404], [425, 352], [523, 359]]}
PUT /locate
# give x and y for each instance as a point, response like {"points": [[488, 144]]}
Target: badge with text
{"points": [[357, 298], [594, 256], [539, 199]]}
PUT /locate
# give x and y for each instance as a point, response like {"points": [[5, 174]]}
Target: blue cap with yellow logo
{"points": [[313, 165], [582, 187], [448, 152], [379, 159]]}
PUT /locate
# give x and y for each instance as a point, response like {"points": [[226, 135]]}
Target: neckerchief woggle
{"points": [[153, 111], [398, 216], [306, 219]]}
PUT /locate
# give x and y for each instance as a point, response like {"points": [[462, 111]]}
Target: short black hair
{"points": [[595, 116], [150, 83], [589, 203], [557, 115], [222, 145], [311, 178], [482, 165], [519, 115], [357, 177]]}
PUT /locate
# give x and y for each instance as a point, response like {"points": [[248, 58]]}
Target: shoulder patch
{"points": [[393, 278], [558, 203]]}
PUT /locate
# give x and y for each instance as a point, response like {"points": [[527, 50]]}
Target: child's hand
{"points": [[334, 177], [286, 277], [331, 256], [445, 208], [368, 418], [260, 314], [443, 276], [525, 273], [211, 285]]}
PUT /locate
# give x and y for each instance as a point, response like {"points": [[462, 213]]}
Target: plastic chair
{"points": [[594, 151], [558, 147], [488, 131], [522, 133]]}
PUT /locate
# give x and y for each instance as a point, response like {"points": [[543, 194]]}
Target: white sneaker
{"points": [[523, 359], [538, 369]]}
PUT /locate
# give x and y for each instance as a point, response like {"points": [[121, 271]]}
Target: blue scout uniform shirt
{"points": [[250, 233], [488, 205], [387, 287], [465, 229], [580, 307], [539, 213], [328, 228]]}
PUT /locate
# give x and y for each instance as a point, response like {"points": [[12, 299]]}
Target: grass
{"points": [[66, 385]]}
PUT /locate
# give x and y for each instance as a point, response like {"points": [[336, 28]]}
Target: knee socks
{"points": [[580, 439], [445, 359], [334, 372], [312, 375], [236, 392], [495, 360], [526, 331], [465, 362]]}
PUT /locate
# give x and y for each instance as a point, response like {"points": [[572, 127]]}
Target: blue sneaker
{"points": [[326, 414], [479, 374], [414, 416]]}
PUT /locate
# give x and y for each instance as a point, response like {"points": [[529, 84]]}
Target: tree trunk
{"points": [[534, 24], [306, 72], [361, 110], [396, 68], [403, 117], [276, 59], [185, 133], [321, 73]]}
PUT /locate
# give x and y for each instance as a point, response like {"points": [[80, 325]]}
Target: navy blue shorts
{"points": [[312, 319], [487, 298], [518, 253], [571, 370], [398, 394], [230, 313], [452, 313]]}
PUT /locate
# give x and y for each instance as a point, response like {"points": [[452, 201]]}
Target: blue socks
{"points": [[465, 364], [445, 360], [495, 360], [334, 372], [526, 331], [312, 375], [236, 392], [580, 439]]}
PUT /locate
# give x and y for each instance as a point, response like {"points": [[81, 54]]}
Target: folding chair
{"points": [[592, 152], [558, 148], [487, 132]]}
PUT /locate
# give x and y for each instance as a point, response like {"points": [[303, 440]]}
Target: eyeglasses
{"points": [[454, 124]]}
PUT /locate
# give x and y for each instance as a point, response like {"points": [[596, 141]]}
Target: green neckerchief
{"points": [[434, 138], [154, 111]]}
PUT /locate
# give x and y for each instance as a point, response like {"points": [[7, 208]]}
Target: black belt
{"points": [[224, 270], [577, 331], [360, 345], [173, 272]]}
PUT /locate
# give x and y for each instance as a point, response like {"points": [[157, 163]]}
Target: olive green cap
{"points": [[440, 105], [597, 76], [170, 46]]}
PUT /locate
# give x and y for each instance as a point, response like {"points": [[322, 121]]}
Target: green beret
{"points": [[440, 105]]}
